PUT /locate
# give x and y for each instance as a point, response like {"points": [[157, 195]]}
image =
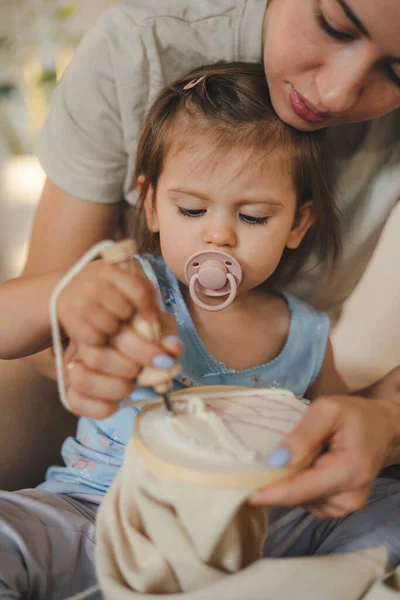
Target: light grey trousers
{"points": [[47, 540]]}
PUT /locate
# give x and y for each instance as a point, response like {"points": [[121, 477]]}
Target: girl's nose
{"points": [[220, 235], [342, 79]]}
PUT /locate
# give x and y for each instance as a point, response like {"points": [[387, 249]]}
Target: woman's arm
{"points": [[64, 228]]}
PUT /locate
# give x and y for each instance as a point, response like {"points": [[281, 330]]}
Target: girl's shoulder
{"points": [[303, 314], [156, 271], [309, 327], [308, 339]]}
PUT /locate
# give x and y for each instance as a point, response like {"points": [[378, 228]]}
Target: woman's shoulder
{"points": [[139, 12], [184, 28]]}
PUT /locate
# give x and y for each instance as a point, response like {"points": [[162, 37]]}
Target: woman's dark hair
{"points": [[231, 104]]}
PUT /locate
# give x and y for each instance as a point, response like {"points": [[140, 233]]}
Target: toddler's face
{"points": [[244, 205]]}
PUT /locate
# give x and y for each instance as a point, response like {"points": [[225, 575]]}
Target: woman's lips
{"points": [[303, 110]]}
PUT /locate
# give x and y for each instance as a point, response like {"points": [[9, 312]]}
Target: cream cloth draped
{"points": [[157, 537]]}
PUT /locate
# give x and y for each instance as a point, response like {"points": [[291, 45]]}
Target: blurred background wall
{"points": [[37, 39]]}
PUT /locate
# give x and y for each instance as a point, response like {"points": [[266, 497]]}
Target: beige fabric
{"points": [[157, 537]]}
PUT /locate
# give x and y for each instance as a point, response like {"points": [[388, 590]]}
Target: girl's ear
{"points": [[149, 204], [304, 219]]}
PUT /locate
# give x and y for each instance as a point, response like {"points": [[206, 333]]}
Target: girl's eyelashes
{"points": [[190, 212], [327, 28], [193, 213], [253, 220]]}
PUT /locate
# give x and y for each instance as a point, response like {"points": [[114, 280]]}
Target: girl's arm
{"points": [[64, 228], [24, 306], [328, 381]]}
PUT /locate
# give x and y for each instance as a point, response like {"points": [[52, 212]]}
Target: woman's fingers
{"points": [[94, 408], [90, 384], [108, 361], [102, 375], [145, 352], [357, 433], [339, 505], [301, 488]]}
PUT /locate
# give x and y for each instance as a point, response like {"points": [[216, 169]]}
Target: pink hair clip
{"points": [[194, 82]]}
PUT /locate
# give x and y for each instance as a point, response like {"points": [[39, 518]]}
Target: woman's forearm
{"points": [[392, 410]]}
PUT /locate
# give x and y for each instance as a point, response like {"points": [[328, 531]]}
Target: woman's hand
{"points": [[99, 377], [362, 436]]}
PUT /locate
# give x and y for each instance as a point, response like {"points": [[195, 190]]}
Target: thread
{"points": [[55, 328]]}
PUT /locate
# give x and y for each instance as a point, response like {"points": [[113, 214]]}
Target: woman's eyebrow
{"points": [[353, 17]]}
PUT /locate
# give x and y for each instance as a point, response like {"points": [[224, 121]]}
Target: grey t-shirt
{"points": [[88, 144]]}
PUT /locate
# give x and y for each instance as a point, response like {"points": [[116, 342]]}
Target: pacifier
{"points": [[213, 273]]}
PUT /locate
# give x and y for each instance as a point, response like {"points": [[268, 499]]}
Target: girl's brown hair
{"points": [[231, 103]]}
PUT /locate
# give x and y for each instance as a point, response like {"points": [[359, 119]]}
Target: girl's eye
{"points": [[341, 36], [189, 212], [253, 220]]}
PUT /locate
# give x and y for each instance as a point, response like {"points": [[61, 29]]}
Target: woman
{"points": [[328, 63]]}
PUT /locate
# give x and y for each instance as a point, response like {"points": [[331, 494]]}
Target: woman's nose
{"points": [[341, 80], [220, 235]]}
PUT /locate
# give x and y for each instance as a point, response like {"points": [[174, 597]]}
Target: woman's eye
{"points": [[395, 77], [327, 28], [190, 212], [253, 220]]}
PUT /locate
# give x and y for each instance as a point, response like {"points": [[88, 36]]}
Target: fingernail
{"points": [[163, 361], [279, 458], [174, 340]]}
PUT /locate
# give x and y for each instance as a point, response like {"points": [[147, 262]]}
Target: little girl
{"points": [[216, 171]]}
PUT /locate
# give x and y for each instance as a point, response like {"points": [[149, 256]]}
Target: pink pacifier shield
{"points": [[213, 273]]}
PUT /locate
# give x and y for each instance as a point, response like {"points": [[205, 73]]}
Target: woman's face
{"points": [[330, 62]]}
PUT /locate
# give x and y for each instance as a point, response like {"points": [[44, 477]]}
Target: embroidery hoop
{"points": [[199, 477]]}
